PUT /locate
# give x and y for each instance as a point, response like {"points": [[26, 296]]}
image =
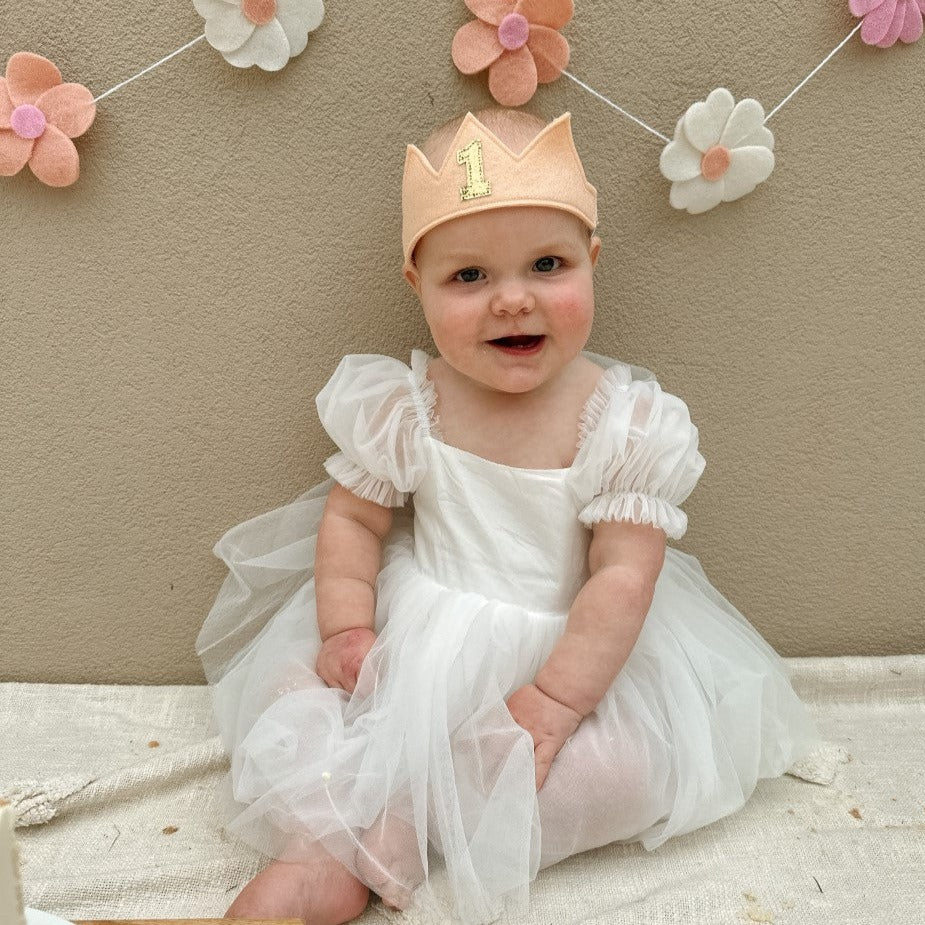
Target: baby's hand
{"points": [[549, 722], [341, 657]]}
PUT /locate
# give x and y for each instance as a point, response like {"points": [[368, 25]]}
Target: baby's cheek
{"points": [[452, 328], [457, 325], [575, 312]]}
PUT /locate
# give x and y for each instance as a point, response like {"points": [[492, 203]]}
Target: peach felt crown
{"points": [[480, 172]]}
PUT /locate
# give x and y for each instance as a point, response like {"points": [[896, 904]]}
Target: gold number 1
{"points": [[476, 184]]}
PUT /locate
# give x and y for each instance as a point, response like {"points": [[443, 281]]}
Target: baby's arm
{"points": [[607, 615], [604, 622], [348, 556]]}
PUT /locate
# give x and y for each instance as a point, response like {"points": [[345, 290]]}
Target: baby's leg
{"points": [[609, 783], [318, 890], [389, 860]]}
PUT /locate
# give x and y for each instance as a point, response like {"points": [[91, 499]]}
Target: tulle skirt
{"points": [[425, 755]]}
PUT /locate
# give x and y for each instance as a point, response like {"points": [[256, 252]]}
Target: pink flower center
{"points": [[715, 162], [27, 121], [259, 12], [514, 31]]}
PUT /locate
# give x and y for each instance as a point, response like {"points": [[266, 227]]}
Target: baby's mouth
{"points": [[521, 342]]}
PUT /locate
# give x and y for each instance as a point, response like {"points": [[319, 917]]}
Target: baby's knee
{"points": [[598, 791]]}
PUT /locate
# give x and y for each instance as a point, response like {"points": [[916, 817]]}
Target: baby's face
{"points": [[504, 273]]}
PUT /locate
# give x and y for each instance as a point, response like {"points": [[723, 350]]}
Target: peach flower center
{"points": [[514, 31], [27, 121], [259, 12], [715, 162]]}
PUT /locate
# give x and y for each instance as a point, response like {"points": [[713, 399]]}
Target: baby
{"points": [[518, 669]]}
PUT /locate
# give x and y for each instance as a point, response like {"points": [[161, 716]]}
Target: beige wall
{"points": [[167, 321]]}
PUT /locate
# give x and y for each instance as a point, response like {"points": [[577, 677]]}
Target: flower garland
{"points": [[39, 115], [721, 150]]}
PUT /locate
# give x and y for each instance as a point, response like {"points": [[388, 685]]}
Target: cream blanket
{"points": [[115, 786]]}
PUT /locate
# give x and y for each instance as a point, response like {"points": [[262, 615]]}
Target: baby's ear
{"points": [[412, 278], [595, 249]]}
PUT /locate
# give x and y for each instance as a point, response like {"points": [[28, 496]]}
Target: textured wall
{"points": [[167, 321]]}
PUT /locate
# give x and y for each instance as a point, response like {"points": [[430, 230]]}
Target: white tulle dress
{"points": [[479, 571]]}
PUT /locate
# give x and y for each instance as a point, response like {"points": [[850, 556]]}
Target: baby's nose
{"points": [[512, 298]]}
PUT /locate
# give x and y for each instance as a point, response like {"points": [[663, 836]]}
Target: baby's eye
{"points": [[469, 275], [547, 264]]}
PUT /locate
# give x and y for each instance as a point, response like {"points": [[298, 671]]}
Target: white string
{"points": [[613, 105], [786, 99], [151, 67], [814, 71]]}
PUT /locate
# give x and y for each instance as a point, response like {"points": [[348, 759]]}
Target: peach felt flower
{"points": [[263, 32], [885, 21], [39, 115], [721, 150], [517, 41]]}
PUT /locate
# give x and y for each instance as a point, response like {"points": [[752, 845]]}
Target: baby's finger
{"points": [[346, 676], [542, 758], [351, 671], [327, 670], [323, 671]]}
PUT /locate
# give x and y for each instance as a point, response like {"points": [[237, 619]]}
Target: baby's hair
{"points": [[516, 129]]}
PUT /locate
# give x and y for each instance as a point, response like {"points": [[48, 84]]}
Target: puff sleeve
{"points": [[641, 461], [370, 410]]}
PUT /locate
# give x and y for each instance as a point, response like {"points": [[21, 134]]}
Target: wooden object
{"points": [[188, 922]]}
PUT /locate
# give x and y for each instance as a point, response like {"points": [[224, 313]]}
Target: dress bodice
{"points": [[503, 532]]}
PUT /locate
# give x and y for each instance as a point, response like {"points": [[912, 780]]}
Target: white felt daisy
{"points": [[263, 32], [721, 151]]}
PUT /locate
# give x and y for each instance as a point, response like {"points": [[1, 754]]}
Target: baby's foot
{"points": [[319, 892], [389, 860]]}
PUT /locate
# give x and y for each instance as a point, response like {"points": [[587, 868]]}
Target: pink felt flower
{"points": [[885, 21], [518, 41], [39, 115]]}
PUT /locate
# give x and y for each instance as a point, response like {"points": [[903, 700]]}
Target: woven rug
{"points": [[116, 790]]}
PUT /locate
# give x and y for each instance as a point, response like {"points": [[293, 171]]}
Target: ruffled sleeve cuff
{"points": [[370, 409], [640, 459], [639, 508], [362, 483]]}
